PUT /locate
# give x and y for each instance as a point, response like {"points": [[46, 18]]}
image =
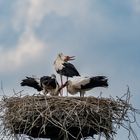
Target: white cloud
{"points": [[28, 49], [31, 12], [26, 15]]}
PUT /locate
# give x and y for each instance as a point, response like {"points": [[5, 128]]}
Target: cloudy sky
{"points": [[103, 35]]}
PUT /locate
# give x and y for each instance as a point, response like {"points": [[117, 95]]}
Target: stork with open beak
{"points": [[83, 84], [64, 68]]}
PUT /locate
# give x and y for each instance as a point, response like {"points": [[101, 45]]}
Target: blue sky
{"points": [[103, 35]]}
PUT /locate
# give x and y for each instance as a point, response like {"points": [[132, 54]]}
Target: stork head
{"points": [[53, 76], [44, 78], [66, 57]]}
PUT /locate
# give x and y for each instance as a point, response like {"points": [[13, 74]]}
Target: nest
{"points": [[64, 117]]}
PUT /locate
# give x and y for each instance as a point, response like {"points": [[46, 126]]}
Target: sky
{"points": [[103, 35]]}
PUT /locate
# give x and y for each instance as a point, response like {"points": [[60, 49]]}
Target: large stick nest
{"points": [[64, 117]]}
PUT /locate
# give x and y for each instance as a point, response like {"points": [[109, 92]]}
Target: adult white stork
{"points": [[64, 68], [46, 84], [83, 84]]}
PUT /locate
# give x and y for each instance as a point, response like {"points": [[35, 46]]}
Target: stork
{"points": [[83, 84], [64, 68], [52, 86], [46, 84]]}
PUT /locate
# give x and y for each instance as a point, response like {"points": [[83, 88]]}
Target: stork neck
{"points": [[58, 64]]}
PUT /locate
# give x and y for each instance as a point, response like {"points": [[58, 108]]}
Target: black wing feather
{"points": [[69, 70], [98, 81], [31, 82], [44, 80], [51, 83]]}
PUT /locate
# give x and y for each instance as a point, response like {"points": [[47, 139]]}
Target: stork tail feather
{"points": [[100, 81]]}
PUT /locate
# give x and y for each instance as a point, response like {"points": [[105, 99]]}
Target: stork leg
{"points": [[82, 93], [61, 92], [67, 86]]}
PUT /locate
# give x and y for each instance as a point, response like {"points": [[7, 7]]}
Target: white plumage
{"points": [[83, 84], [58, 63]]}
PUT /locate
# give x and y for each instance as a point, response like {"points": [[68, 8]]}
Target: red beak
{"points": [[69, 58]]}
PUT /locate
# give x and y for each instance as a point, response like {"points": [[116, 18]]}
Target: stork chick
{"points": [[52, 86], [46, 84], [83, 84]]}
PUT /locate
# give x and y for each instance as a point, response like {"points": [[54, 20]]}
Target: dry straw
{"points": [[66, 117]]}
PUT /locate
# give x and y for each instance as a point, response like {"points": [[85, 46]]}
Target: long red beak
{"points": [[69, 58]]}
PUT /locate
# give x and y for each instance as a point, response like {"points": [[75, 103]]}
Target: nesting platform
{"points": [[63, 117]]}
